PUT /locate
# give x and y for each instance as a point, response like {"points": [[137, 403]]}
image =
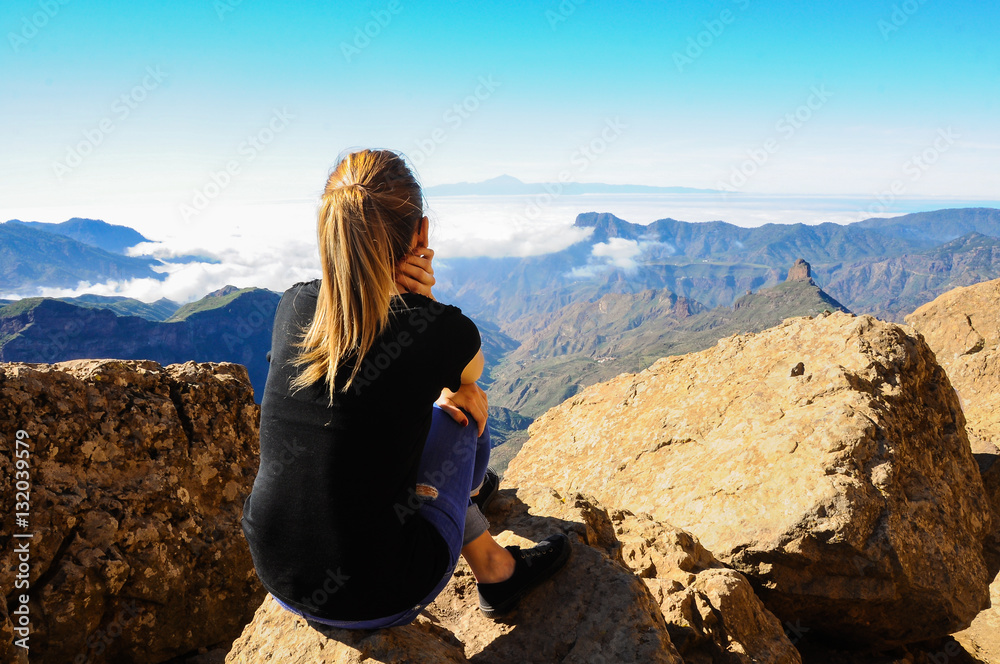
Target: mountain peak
{"points": [[225, 290], [800, 271], [502, 179]]}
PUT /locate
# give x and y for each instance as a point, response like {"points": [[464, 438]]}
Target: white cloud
{"points": [[620, 252], [589, 271]]}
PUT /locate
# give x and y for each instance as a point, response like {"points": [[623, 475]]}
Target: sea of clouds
{"points": [[273, 245]]}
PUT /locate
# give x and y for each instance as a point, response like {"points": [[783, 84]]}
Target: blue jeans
{"points": [[452, 467]]}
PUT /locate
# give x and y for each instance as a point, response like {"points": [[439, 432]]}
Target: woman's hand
{"points": [[469, 397], [416, 274]]}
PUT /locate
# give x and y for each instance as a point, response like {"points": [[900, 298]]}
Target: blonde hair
{"points": [[370, 208]]}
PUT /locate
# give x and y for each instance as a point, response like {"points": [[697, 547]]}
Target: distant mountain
{"points": [[587, 342], [591, 328], [771, 244], [931, 228], [50, 330], [507, 185], [508, 432], [215, 300], [894, 287], [126, 306], [31, 258], [713, 263], [111, 238]]}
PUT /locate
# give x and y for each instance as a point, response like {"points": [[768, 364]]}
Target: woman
{"points": [[373, 431]]}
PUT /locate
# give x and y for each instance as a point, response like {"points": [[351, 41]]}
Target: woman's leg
{"points": [[490, 562], [447, 474], [452, 451]]}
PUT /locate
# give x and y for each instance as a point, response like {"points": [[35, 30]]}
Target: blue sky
{"points": [[130, 112], [228, 64]]}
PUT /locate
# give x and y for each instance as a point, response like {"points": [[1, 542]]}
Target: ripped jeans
{"points": [[451, 469]]}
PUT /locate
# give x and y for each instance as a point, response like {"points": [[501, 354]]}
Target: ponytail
{"points": [[368, 213]]}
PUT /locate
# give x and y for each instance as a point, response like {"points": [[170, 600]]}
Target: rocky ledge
{"points": [[825, 458], [138, 476]]}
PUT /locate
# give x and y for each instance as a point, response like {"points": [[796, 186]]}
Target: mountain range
{"points": [[551, 324], [715, 263], [36, 254]]}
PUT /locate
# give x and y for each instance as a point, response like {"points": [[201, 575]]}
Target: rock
{"points": [[594, 610], [849, 494], [711, 611], [937, 651], [962, 327], [800, 271], [276, 635], [982, 638], [138, 475]]}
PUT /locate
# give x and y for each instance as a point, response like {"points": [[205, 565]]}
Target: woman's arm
{"points": [[470, 397], [416, 275], [474, 369]]}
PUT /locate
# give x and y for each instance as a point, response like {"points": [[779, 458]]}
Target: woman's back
{"points": [[331, 475]]}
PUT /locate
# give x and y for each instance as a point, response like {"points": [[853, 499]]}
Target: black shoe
{"points": [[488, 490], [531, 567]]}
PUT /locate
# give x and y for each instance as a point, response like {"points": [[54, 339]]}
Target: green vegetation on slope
{"points": [[532, 384], [209, 302]]}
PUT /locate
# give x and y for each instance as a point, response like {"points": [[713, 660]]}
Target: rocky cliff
{"points": [[963, 328], [137, 477], [825, 458]]}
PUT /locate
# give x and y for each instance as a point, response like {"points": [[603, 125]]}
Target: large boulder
{"points": [[138, 475], [595, 610], [824, 458], [962, 327]]}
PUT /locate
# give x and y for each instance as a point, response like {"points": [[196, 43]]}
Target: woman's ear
{"points": [[423, 236]]}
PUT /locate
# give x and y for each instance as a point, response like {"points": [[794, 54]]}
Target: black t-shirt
{"points": [[329, 519]]}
